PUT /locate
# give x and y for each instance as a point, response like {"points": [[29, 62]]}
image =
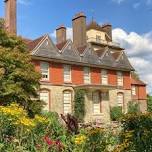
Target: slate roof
{"points": [[61, 45], [85, 55]]}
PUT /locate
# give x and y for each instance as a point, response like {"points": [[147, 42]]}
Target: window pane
{"points": [[120, 99], [67, 97], [44, 96], [104, 76], [44, 70], [86, 75], [96, 102], [119, 78], [67, 73], [133, 90]]}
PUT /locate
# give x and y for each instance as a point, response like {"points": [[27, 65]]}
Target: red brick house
{"points": [[92, 61]]}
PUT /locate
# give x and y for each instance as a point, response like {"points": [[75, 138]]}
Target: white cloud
{"points": [[136, 5], [139, 49], [24, 2], [69, 33], [118, 1], [148, 2]]}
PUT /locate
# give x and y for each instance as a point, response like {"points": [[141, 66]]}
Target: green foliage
{"points": [[149, 104], [137, 133], [18, 79], [133, 107], [116, 113], [79, 105]]}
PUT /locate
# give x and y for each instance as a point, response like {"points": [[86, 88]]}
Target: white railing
{"points": [[100, 41]]}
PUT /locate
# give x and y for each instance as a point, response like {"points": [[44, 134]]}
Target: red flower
{"points": [[48, 140]]}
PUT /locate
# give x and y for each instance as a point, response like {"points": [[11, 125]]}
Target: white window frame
{"points": [[120, 78], [104, 77], [96, 98], [87, 79], [133, 90], [67, 102], [120, 99], [67, 73], [44, 66], [98, 38], [45, 96]]}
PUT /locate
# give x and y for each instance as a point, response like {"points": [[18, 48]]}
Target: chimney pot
{"points": [[79, 30], [10, 16], [61, 34]]}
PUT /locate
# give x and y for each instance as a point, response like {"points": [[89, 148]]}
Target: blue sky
{"points": [[36, 17], [131, 20]]}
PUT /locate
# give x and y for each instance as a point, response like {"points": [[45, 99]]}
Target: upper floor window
{"points": [[86, 75], [44, 70], [67, 73], [120, 78], [104, 77], [133, 89]]}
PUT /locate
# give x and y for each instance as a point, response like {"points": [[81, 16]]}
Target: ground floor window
{"points": [[120, 99], [67, 100], [96, 102], [44, 96]]}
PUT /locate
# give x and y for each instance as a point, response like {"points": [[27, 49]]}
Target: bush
{"points": [[136, 134], [149, 104], [133, 107], [116, 113]]}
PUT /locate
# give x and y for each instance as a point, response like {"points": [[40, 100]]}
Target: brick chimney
{"points": [[79, 30], [108, 29], [10, 16], [61, 34]]}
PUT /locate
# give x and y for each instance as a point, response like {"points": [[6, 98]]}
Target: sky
{"points": [[131, 20]]}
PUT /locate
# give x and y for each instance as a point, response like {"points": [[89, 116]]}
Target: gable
{"points": [[69, 52], [46, 49]]}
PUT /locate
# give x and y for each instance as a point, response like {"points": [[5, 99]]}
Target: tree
{"points": [[149, 103], [19, 81]]}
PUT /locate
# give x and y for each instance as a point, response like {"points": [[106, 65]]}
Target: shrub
{"points": [[137, 133], [149, 103], [133, 107], [116, 113], [79, 105]]}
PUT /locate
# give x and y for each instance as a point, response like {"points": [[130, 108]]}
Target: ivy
{"points": [[79, 105]]}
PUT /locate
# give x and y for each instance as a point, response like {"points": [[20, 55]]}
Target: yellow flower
{"points": [[41, 119], [80, 139]]}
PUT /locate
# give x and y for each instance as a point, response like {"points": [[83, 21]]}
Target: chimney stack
{"points": [[108, 29], [10, 16], [61, 34], [79, 30]]}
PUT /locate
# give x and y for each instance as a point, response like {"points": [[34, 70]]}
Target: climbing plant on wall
{"points": [[79, 105]]}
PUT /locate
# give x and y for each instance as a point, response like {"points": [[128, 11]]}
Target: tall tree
{"points": [[19, 81]]}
